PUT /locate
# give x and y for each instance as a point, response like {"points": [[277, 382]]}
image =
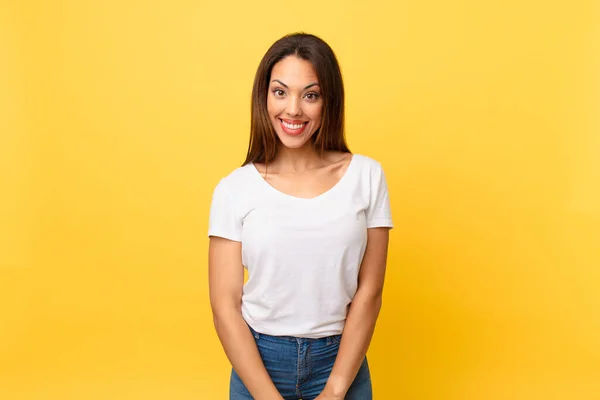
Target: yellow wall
{"points": [[117, 118]]}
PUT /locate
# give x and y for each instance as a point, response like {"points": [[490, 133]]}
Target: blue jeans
{"points": [[300, 367]]}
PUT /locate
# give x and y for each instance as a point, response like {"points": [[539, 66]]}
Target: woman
{"points": [[310, 221]]}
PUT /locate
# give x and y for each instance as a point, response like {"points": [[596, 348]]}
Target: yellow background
{"points": [[117, 118]]}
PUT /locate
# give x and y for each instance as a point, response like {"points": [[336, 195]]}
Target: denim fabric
{"points": [[300, 367]]}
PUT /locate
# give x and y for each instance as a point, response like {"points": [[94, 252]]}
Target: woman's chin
{"points": [[294, 142]]}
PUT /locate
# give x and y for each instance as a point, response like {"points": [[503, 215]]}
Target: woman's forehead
{"points": [[294, 71]]}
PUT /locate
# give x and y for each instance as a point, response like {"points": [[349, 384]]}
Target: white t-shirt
{"points": [[303, 255]]}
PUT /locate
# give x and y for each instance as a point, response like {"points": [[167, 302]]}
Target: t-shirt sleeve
{"points": [[378, 213], [224, 221]]}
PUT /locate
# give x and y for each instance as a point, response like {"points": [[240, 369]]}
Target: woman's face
{"points": [[294, 101]]}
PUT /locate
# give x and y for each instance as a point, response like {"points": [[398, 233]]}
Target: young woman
{"points": [[310, 221]]}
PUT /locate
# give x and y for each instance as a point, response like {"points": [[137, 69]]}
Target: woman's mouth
{"points": [[293, 129]]}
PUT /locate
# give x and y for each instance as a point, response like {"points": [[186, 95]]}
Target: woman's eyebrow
{"points": [[286, 86]]}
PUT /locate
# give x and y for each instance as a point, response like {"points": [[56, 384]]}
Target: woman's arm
{"points": [[363, 313], [226, 279]]}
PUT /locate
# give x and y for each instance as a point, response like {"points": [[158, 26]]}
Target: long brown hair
{"points": [[330, 135]]}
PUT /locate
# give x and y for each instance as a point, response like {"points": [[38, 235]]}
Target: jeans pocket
{"points": [[336, 339]]}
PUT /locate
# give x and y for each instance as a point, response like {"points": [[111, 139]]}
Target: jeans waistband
{"points": [[258, 335]]}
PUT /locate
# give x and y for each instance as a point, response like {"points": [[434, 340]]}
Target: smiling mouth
{"points": [[293, 129], [293, 126]]}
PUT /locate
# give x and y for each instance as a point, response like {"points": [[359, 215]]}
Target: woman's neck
{"points": [[297, 160]]}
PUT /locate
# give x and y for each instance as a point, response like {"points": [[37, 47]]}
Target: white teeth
{"points": [[292, 126]]}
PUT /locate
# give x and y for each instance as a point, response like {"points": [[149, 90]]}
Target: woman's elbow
{"points": [[370, 299], [223, 314]]}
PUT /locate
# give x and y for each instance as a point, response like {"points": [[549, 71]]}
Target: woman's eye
{"points": [[312, 96], [278, 92]]}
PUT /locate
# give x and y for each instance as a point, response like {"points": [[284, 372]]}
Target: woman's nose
{"points": [[294, 108]]}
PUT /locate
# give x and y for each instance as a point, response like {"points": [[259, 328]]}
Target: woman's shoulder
{"points": [[366, 162], [237, 177]]}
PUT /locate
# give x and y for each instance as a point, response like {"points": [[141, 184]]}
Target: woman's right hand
{"points": [[226, 280]]}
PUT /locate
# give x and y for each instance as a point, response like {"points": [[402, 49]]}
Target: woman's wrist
{"points": [[336, 387]]}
